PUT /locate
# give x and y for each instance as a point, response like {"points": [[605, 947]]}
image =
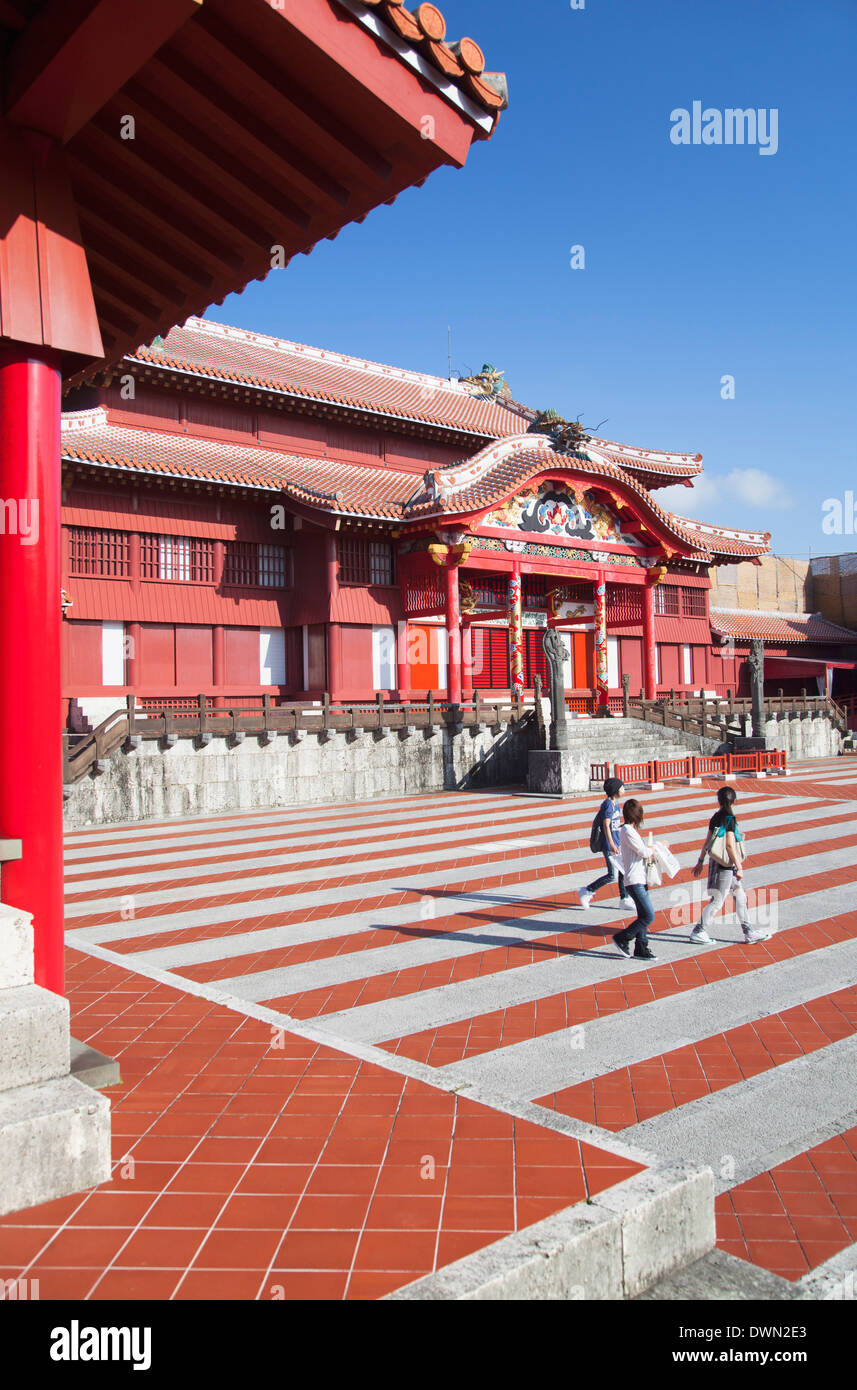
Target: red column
{"points": [[650, 684], [516, 632], [31, 762], [218, 663], [403, 667], [601, 696], [334, 641], [453, 634]]}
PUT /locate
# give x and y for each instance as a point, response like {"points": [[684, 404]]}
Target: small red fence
{"points": [[761, 761]]}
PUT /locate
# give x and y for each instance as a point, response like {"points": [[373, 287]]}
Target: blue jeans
{"points": [[609, 877], [645, 915]]}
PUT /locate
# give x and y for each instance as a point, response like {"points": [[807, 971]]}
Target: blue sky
{"points": [[701, 261]]}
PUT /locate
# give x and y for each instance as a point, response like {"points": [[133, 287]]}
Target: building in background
{"points": [[246, 516]]}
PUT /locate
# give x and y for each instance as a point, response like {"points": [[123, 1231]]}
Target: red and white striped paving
{"points": [[430, 972]]}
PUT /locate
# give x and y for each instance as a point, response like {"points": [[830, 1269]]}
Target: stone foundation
{"points": [[151, 781]]}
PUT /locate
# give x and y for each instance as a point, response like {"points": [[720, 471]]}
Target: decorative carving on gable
{"points": [[553, 509]]}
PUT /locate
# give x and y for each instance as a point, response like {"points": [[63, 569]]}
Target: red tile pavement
{"points": [[799, 1214], [632, 1094], [252, 1163]]}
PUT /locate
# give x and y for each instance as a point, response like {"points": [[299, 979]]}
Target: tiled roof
{"points": [[490, 476], [654, 462], [500, 469], [424, 30], [745, 624], [721, 540], [203, 348], [323, 483]]}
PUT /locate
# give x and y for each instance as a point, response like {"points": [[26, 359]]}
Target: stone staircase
{"points": [[54, 1129], [631, 741]]}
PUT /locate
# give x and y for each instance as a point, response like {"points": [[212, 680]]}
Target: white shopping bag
{"points": [[665, 859]]}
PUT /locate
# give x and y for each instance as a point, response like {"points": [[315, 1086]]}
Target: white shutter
{"points": [[612, 662], [688, 665], [112, 653], [384, 658], [442, 655], [272, 656]]}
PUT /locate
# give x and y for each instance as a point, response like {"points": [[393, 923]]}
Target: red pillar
{"points": [[602, 700], [334, 638], [453, 634], [516, 632], [218, 664], [650, 684], [31, 763]]}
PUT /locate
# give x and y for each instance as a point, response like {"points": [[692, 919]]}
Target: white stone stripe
{"points": [[403, 1015], [752, 1126], [440, 830], [103, 894], [179, 844], [573, 1055], [446, 809], [384, 960], [316, 810], [435, 878]]}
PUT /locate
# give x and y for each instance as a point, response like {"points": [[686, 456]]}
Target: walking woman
{"points": [[635, 857], [724, 843]]}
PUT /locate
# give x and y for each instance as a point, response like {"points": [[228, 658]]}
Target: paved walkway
{"points": [[350, 1037]]}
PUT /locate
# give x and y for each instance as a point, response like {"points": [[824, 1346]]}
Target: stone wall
{"points": [[187, 780], [802, 736]]}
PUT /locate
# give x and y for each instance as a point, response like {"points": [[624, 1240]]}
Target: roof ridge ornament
{"points": [[566, 436]]}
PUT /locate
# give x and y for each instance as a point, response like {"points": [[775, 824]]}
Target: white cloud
{"points": [[723, 498]]}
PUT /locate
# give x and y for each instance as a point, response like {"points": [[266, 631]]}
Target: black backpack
{"points": [[596, 834]]}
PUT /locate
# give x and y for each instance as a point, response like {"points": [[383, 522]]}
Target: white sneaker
{"points": [[752, 935], [699, 936], [628, 902], [584, 897]]}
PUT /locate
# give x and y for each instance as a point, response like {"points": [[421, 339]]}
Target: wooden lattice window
{"points": [[249, 565], [179, 559], [666, 600], [624, 604], [364, 561], [489, 590], [692, 602], [101, 554]]}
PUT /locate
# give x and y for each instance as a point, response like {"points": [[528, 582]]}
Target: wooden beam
{"points": [[76, 54]]}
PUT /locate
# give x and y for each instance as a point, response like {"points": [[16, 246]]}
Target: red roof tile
{"points": [[203, 348], [722, 540], [744, 624], [323, 483], [490, 476]]}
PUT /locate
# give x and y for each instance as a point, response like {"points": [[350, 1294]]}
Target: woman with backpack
{"points": [[636, 859], [604, 839], [725, 849]]}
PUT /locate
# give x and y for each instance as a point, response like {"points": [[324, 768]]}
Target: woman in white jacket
{"points": [[635, 856]]}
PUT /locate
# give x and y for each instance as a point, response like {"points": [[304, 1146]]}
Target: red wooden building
{"points": [[244, 515]]}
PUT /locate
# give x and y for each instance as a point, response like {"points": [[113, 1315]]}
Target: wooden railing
{"points": [[83, 753], [718, 717]]}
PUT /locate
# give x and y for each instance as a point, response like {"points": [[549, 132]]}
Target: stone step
{"points": [[16, 947], [719, 1277], [34, 1043], [54, 1140]]}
